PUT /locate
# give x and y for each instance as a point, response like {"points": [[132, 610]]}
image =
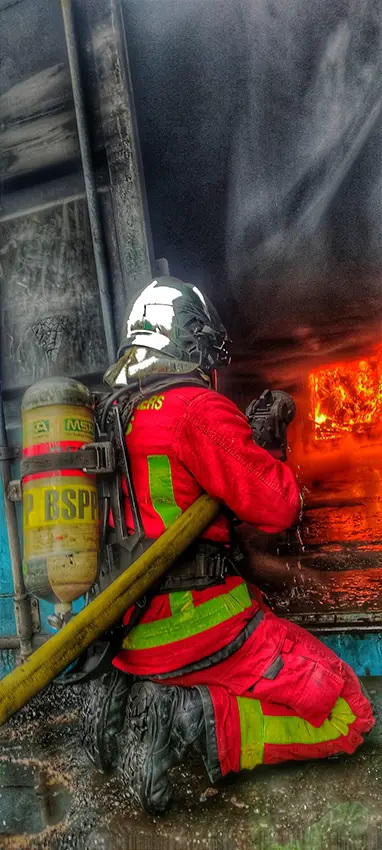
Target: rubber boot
{"points": [[104, 717], [161, 723]]}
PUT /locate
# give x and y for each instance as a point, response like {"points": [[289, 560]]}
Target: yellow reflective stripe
{"points": [[294, 730], [342, 716], [258, 729], [162, 490], [188, 620], [252, 732], [181, 601]]}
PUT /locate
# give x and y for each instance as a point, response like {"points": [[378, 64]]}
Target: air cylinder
{"points": [[60, 507]]}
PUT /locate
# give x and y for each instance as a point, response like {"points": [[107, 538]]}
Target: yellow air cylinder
{"points": [[60, 508]]}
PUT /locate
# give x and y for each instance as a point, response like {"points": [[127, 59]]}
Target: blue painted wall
{"points": [[7, 662], [363, 651], [7, 619]]}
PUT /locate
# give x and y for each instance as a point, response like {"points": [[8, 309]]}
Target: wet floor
{"points": [[51, 799], [31, 798]]}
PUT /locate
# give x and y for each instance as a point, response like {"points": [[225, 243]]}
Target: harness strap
{"points": [[98, 658], [203, 565], [93, 458]]}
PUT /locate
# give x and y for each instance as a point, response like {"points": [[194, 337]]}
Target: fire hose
{"points": [[49, 660]]}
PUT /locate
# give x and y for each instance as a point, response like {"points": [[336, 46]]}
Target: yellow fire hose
{"points": [[63, 648]]}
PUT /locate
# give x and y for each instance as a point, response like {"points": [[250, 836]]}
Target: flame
{"points": [[347, 397]]}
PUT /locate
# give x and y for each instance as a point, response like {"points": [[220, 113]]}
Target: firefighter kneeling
{"points": [[215, 668]]}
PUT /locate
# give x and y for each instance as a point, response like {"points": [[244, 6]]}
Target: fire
{"points": [[347, 398]]}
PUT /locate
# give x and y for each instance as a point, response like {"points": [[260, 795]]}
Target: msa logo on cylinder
{"points": [[40, 427], [79, 426], [60, 504]]}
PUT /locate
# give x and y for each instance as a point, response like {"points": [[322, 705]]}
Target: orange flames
{"points": [[347, 398]]}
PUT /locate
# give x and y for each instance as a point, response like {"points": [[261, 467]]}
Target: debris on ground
{"points": [[321, 805]]}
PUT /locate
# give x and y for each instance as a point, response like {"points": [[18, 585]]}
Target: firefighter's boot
{"points": [[161, 723], [104, 717]]}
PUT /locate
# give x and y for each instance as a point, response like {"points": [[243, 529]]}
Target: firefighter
{"points": [[208, 664]]}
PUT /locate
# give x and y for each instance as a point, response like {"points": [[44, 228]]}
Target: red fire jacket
{"points": [[181, 443]]}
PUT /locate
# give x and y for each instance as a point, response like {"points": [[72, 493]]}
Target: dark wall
{"points": [[185, 73], [51, 321]]}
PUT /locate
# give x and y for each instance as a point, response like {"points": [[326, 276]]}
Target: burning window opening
{"points": [[347, 398]]}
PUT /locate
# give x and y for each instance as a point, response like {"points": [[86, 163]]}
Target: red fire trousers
{"points": [[283, 696]]}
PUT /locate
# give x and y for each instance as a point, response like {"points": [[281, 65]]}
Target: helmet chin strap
{"points": [[214, 380]]}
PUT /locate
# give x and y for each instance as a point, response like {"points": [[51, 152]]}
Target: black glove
{"points": [[269, 417]]}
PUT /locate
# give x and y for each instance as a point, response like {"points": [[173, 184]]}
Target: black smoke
{"points": [[260, 125]]}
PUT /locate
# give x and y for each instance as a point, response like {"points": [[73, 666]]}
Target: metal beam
{"points": [[103, 25], [89, 180], [46, 195], [12, 642]]}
